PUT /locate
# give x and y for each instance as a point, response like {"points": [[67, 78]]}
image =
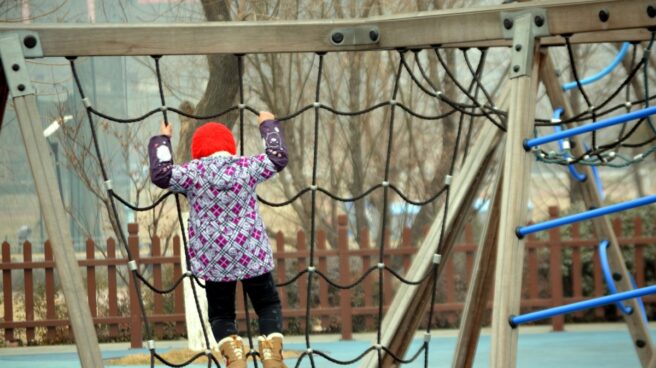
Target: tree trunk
{"points": [[221, 89]]}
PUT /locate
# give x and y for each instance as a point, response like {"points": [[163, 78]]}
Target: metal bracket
{"points": [[364, 35], [523, 28], [14, 67], [30, 42]]}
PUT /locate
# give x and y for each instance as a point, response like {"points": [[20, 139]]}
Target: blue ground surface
{"points": [[595, 349]]}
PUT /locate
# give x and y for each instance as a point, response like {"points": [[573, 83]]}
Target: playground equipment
{"points": [[524, 27]]}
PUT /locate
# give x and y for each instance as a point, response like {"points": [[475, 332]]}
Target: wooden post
{"points": [[7, 296], [323, 285], [369, 282], [281, 273], [407, 308], [301, 247], [602, 226], [555, 273], [479, 287], [179, 292], [514, 198], [91, 278], [136, 327], [50, 201], [155, 251], [50, 292], [112, 286], [345, 278], [28, 279]]}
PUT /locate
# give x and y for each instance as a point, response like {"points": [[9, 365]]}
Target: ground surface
{"points": [[594, 346]]}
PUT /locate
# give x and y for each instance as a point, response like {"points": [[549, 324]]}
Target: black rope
{"points": [[179, 211], [472, 110], [110, 197]]}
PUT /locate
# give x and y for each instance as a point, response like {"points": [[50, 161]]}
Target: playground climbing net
{"points": [[470, 109]]}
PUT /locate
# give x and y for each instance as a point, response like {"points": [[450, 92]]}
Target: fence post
{"points": [[369, 284], [7, 299], [112, 287], [281, 273], [136, 327], [91, 278], [50, 291], [323, 285], [179, 291], [555, 271], [344, 277], [301, 247], [29, 292], [639, 255], [156, 252]]}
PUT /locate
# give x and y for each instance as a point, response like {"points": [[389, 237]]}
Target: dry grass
{"points": [[175, 356]]}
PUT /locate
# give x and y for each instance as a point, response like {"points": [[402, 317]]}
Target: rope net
{"points": [[478, 103]]}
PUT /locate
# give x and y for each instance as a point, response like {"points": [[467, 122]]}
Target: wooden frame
{"points": [[602, 226], [628, 21], [483, 27]]}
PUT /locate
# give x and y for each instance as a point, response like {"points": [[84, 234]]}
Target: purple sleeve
{"points": [[274, 141], [161, 160]]}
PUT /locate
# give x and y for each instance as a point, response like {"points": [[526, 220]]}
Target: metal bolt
{"points": [[29, 41], [507, 23], [337, 37], [539, 20], [21, 87], [604, 15], [516, 68], [617, 276], [640, 343], [651, 11], [15, 67], [518, 47], [373, 35]]}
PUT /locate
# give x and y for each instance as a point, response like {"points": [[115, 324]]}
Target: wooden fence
{"points": [[558, 270]]}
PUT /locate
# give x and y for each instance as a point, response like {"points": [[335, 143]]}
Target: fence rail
{"points": [[558, 270]]}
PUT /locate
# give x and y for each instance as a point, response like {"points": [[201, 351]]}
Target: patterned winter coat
{"points": [[227, 238]]}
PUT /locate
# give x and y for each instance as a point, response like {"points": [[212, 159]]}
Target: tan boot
{"points": [[270, 349], [232, 349]]}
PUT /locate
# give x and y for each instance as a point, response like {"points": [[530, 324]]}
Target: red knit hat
{"points": [[210, 138]]}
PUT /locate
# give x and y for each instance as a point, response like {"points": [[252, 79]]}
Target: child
{"points": [[227, 239]]}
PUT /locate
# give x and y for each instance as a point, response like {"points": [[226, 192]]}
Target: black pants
{"points": [[261, 291]]}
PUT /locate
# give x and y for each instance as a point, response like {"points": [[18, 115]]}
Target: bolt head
{"points": [[539, 20], [604, 15], [374, 35], [21, 87], [337, 37], [651, 11], [507, 23], [15, 67], [518, 47], [640, 343], [29, 41], [516, 68]]}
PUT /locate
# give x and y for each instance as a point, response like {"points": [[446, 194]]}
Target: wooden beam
{"points": [[472, 25], [480, 286], [578, 38], [4, 95], [55, 219], [510, 249], [407, 308], [602, 226], [481, 283], [18, 82]]}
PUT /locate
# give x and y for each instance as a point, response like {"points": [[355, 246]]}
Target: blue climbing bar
{"points": [[597, 212], [639, 114], [575, 307]]}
